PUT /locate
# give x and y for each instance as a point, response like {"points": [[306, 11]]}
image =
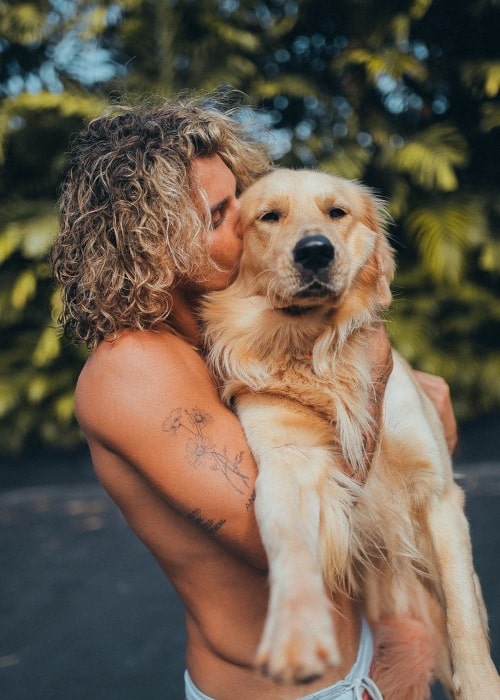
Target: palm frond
{"points": [[348, 160], [30, 228], [419, 8], [482, 77], [69, 103], [409, 332], [234, 36], [490, 118], [391, 61], [431, 156], [291, 84], [23, 24], [489, 259], [445, 233]]}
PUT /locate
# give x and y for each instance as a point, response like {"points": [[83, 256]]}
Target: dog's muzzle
{"points": [[314, 253]]}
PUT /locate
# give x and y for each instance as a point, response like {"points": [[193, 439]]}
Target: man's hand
{"points": [[439, 393], [435, 387]]}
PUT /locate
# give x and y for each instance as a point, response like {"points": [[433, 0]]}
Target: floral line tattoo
{"points": [[200, 450]]}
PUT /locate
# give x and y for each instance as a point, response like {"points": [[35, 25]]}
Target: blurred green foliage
{"points": [[403, 95]]}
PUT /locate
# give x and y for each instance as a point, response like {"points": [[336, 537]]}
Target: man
{"points": [[149, 223]]}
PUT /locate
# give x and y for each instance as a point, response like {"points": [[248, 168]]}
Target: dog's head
{"points": [[313, 240]]}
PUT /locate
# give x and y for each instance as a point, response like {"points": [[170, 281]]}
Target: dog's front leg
{"points": [[298, 641], [474, 674], [293, 458]]}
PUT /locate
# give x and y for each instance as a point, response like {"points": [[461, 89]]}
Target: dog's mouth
{"points": [[311, 297], [316, 289]]}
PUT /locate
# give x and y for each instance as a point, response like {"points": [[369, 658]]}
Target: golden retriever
{"points": [[288, 342]]}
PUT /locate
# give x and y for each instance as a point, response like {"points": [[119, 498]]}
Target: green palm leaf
{"points": [[392, 61], [490, 117], [348, 160], [482, 77], [445, 233], [431, 156]]}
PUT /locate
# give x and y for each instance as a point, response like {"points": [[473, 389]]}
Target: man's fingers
{"points": [[438, 391]]}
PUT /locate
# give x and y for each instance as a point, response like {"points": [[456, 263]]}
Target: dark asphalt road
{"points": [[85, 613]]}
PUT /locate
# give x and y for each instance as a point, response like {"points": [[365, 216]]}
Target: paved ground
{"points": [[85, 613]]}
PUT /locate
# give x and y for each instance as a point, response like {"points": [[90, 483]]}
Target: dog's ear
{"points": [[376, 218], [384, 258]]}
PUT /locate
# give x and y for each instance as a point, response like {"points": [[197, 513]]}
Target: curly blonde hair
{"points": [[129, 227]]}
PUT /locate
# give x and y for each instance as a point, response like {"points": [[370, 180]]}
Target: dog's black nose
{"points": [[314, 252]]}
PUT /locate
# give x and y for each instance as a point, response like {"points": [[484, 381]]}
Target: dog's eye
{"points": [[336, 213], [270, 216]]}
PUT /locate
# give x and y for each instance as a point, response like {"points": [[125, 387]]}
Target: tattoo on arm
{"points": [[200, 450], [251, 500], [209, 526]]}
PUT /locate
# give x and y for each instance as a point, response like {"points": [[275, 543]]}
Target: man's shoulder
{"points": [[133, 349], [138, 367]]}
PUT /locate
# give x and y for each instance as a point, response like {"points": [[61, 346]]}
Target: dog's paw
{"points": [[298, 644]]}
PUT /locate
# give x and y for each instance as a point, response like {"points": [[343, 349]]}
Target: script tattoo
{"points": [[200, 450], [251, 500], [205, 524]]}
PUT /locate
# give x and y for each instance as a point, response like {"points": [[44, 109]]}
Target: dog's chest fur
{"points": [[332, 378], [296, 377]]}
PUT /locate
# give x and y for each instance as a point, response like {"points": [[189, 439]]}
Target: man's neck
{"points": [[183, 316]]}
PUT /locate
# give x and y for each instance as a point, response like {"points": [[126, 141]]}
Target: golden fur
{"points": [[288, 342]]}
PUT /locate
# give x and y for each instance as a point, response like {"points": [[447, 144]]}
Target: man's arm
{"points": [[439, 393], [148, 397], [435, 387]]}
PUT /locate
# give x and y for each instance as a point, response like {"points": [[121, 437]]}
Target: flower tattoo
{"points": [[200, 450], [173, 423]]}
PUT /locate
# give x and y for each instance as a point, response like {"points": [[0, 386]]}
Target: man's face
{"points": [[224, 236]]}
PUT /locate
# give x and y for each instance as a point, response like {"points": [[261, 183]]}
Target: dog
{"points": [[287, 342]]}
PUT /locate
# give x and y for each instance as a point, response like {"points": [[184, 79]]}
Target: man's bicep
{"points": [[203, 447], [208, 457], [193, 451]]}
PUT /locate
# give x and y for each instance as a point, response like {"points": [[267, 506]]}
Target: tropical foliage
{"points": [[403, 95]]}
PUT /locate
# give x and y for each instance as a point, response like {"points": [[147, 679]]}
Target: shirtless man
{"points": [[149, 222]]}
